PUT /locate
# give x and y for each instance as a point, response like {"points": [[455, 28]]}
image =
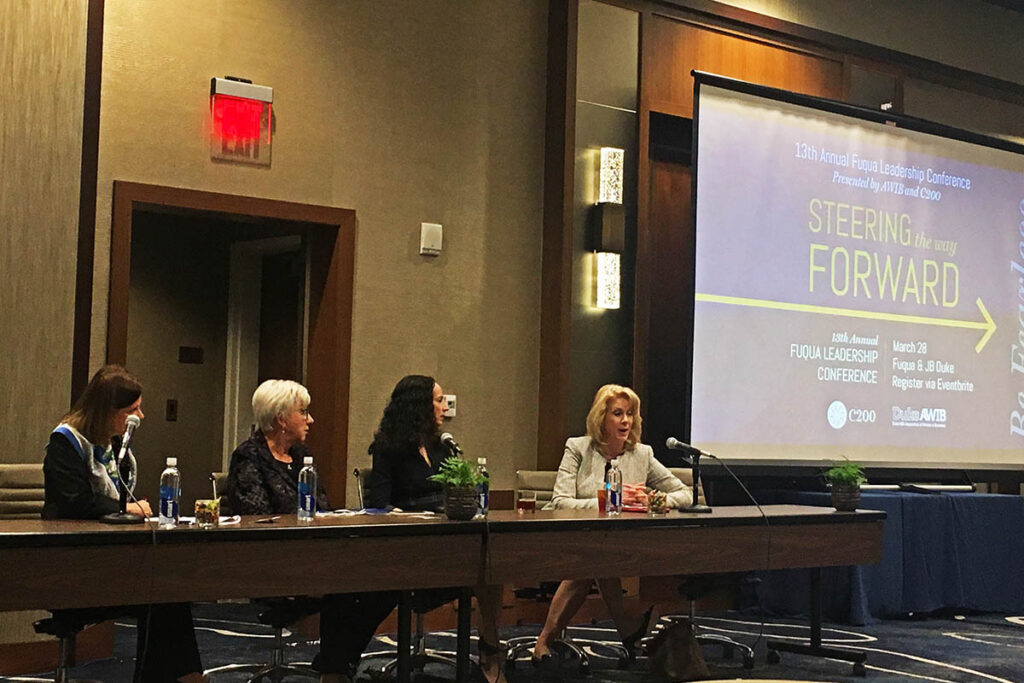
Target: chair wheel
{"points": [[860, 670], [773, 657]]}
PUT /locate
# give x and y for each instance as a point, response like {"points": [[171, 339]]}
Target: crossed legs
{"points": [[568, 599]]}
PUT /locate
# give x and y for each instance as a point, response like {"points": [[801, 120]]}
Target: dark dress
{"points": [[166, 646], [400, 477], [348, 621]]}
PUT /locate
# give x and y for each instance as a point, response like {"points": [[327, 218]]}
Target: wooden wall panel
{"points": [[664, 323], [671, 325], [671, 49]]}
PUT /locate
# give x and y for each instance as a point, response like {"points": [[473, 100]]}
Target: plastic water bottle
{"points": [[613, 481], [307, 490], [170, 494], [483, 489]]}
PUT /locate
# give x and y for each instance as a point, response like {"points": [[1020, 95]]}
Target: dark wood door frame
{"points": [[330, 306]]}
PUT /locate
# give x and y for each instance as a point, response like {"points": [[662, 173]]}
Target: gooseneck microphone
{"points": [[677, 445], [449, 441], [694, 454], [131, 423]]}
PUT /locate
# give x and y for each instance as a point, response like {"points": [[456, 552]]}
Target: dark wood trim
{"points": [[556, 259], [754, 24], [330, 338], [86, 251], [642, 272]]}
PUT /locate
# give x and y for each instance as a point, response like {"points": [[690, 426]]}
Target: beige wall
{"points": [[42, 73], [403, 111]]}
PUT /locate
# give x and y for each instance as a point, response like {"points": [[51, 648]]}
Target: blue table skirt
{"points": [[949, 550]]}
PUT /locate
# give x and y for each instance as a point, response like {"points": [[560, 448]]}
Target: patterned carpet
{"points": [[964, 648]]}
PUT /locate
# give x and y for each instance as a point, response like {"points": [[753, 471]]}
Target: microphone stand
{"points": [[694, 506], [123, 516]]}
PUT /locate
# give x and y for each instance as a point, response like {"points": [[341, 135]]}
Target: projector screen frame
{"points": [[1004, 473]]}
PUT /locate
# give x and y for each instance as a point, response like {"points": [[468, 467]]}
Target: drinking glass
{"points": [[526, 501], [207, 513]]}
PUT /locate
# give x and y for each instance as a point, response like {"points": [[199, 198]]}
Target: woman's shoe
{"points": [[544, 662], [494, 653], [632, 641]]}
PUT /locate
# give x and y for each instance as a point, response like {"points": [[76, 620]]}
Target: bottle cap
{"points": [[172, 462], [308, 460]]}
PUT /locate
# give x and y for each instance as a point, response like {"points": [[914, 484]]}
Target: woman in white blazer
{"points": [[613, 431]]}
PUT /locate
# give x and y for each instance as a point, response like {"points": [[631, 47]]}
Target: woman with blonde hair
{"points": [[613, 431]]}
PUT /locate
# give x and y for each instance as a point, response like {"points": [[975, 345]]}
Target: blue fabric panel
{"points": [[941, 551]]}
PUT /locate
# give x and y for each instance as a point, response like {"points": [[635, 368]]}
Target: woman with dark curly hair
{"points": [[407, 448], [406, 451]]}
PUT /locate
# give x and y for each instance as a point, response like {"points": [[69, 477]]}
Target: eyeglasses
{"points": [[304, 412]]}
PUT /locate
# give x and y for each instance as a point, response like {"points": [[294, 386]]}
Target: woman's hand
{"points": [[141, 508], [634, 495]]}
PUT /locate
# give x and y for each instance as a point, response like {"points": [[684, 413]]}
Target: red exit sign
{"points": [[241, 116]]}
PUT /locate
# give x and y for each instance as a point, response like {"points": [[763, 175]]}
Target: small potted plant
{"points": [[845, 479], [459, 478]]}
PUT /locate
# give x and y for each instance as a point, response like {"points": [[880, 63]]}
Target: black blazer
{"points": [[258, 484], [399, 478]]}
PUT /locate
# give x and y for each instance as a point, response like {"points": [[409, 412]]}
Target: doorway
{"points": [[211, 294]]}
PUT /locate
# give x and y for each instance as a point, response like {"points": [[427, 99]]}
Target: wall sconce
{"points": [[608, 230], [611, 175]]}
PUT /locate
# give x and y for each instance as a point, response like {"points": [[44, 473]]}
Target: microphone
{"points": [[131, 423], [694, 454], [677, 445], [449, 441]]}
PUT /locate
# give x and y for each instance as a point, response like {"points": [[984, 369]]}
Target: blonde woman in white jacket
{"points": [[613, 431]]}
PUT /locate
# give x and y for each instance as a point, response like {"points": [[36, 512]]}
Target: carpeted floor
{"points": [[948, 648]]}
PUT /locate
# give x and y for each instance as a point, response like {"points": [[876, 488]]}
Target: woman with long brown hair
{"points": [[81, 482]]}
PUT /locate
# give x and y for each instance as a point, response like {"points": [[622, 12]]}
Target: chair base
{"points": [[567, 648], [58, 677], [266, 672], [417, 660]]}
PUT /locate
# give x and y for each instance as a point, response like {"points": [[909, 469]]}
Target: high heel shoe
{"points": [[488, 651], [544, 662], [632, 642]]}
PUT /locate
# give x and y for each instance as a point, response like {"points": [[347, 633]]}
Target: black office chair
{"points": [[279, 614], [419, 602], [65, 625]]}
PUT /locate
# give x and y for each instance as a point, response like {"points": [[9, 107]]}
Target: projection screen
{"points": [[859, 285]]}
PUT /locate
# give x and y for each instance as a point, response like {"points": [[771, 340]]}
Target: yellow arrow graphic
{"points": [[988, 325]]}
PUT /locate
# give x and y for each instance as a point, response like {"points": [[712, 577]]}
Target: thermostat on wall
{"points": [[430, 239]]}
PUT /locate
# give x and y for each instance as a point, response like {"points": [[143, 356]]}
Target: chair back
{"points": [[362, 475], [220, 482], [685, 475], [541, 482], [21, 491]]}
